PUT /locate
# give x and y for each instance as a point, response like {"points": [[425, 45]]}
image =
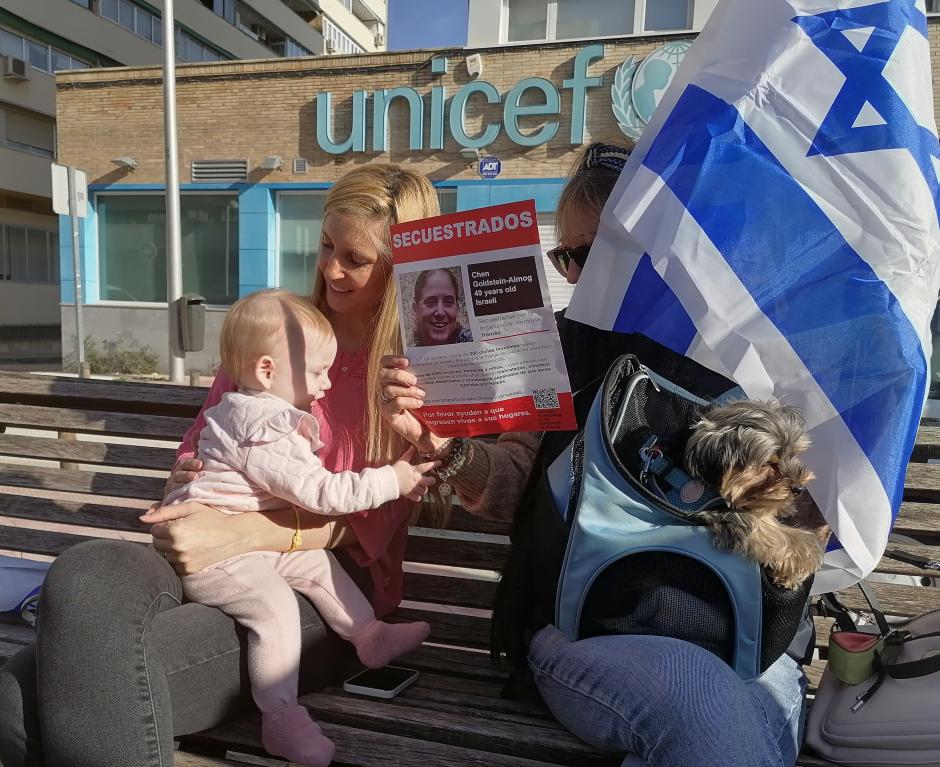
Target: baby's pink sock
{"points": [[379, 643], [291, 733]]}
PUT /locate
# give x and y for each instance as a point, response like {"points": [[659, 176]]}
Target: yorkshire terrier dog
{"points": [[749, 451]]}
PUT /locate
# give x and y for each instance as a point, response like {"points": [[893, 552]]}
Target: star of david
{"points": [[868, 114]]}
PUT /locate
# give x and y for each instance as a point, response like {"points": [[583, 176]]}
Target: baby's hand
{"points": [[412, 483]]}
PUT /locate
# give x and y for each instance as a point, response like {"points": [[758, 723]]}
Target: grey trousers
{"points": [[120, 666]]}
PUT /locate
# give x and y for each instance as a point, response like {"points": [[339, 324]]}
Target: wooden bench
{"points": [[69, 473]]}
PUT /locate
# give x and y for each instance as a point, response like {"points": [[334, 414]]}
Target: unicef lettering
{"points": [[513, 109]]}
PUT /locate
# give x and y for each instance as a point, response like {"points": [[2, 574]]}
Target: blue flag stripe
{"points": [[650, 308], [842, 321]]}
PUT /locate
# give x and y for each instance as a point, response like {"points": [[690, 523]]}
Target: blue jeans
{"points": [[668, 703]]}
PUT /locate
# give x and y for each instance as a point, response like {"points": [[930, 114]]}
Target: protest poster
{"points": [[477, 323]]}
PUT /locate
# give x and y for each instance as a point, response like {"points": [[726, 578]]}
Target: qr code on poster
{"points": [[545, 399]]}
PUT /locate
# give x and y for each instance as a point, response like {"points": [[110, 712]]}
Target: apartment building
{"points": [[506, 22], [41, 37]]}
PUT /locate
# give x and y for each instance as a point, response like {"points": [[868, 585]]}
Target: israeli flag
{"points": [[778, 222]]}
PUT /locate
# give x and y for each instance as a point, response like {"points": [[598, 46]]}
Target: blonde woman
{"points": [[122, 667]]}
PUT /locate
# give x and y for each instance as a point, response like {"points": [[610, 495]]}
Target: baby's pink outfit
{"points": [[259, 454]]}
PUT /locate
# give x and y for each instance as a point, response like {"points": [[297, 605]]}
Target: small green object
{"points": [[853, 666]]}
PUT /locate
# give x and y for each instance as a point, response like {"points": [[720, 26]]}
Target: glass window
{"points": [[126, 14], [38, 55], [158, 31], [528, 19], [38, 248], [11, 44], [933, 6], [595, 18], [31, 132], [132, 247], [54, 258], [300, 219], [108, 9], [448, 200], [4, 255], [16, 242], [143, 24], [60, 61], [664, 15]]}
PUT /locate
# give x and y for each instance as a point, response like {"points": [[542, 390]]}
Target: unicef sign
{"points": [[635, 93]]}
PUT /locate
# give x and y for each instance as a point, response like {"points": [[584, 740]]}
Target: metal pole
{"points": [[174, 260], [83, 370]]}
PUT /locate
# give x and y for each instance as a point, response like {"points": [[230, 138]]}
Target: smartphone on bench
{"points": [[381, 682]]}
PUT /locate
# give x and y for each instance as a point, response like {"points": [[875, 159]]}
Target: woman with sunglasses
{"points": [[662, 701]]}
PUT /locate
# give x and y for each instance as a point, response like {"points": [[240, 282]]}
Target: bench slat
{"points": [[927, 443], [72, 513], [122, 396], [464, 522], [922, 482], [71, 481], [907, 601], [449, 628], [920, 520], [516, 736], [126, 456], [364, 748], [456, 553], [464, 592], [459, 664], [183, 759], [95, 421], [44, 542], [437, 689]]}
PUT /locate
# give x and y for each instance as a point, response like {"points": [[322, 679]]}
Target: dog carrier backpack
{"points": [[598, 549]]}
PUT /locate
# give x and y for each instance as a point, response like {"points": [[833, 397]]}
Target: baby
{"points": [[259, 453]]}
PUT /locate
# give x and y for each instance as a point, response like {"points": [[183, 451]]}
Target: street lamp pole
{"points": [[174, 260]]}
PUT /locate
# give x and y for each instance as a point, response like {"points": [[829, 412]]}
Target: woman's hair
{"points": [[254, 323], [390, 194], [590, 182], [419, 289]]}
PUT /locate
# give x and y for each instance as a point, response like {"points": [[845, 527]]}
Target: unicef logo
{"points": [[637, 89]]}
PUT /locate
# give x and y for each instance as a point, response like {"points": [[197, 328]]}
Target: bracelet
{"points": [[458, 458], [296, 540], [438, 451]]}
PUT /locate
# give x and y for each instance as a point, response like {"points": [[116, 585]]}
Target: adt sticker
{"points": [[490, 167]]}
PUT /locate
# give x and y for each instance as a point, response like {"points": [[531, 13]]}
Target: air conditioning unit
{"points": [[329, 47], [379, 40], [14, 68]]}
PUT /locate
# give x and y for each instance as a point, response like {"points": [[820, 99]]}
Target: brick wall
{"points": [[251, 109]]}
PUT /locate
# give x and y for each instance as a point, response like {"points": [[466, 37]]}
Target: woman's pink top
{"points": [[382, 532]]}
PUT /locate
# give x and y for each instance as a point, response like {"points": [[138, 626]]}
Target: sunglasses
{"points": [[561, 258]]}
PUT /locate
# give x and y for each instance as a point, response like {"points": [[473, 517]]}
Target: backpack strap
{"points": [[912, 559], [832, 607], [911, 669]]}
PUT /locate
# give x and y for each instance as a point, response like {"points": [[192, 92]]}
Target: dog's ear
{"points": [[752, 486]]}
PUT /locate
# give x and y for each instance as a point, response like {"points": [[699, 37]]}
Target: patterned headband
{"points": [[606, 155]]}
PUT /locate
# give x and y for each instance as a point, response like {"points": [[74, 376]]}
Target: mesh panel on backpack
{"points": [[651, 412], [782, 615], [662, 594]]}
